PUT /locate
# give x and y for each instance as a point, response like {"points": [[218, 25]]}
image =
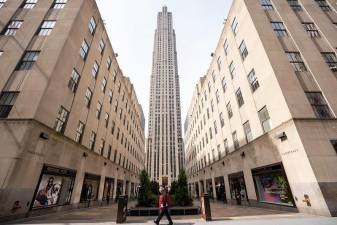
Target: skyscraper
{"points": [[164, 143]]}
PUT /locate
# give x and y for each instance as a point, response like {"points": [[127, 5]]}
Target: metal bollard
{"points": [[122, 210], [205, 207]]}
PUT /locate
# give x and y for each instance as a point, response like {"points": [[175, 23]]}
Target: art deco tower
{"points": [[165, 155]]}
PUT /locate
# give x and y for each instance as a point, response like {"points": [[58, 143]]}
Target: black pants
{"points": [[161, 214]]}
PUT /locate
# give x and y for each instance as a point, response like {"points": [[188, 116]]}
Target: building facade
{"points": [[261, 128], [72, 130], [164, 143]]}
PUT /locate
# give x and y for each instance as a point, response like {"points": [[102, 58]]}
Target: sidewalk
{"points": [[221, 214]]}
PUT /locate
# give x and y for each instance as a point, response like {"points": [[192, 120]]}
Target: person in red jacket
{"points": [[164, 205]]}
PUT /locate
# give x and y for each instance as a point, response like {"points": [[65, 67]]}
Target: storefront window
{"points": [[90, 188], [272, 186], [220, 189], [209, 187], [108, 189], [238, 187], [54, 188]]}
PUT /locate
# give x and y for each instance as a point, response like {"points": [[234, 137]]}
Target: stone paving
{"points": [[221, 214]]}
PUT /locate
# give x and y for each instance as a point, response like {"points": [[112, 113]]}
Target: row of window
{"points": [[30, 4], [295, 5], [60, 125]]}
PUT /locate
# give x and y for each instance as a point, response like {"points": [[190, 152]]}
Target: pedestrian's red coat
{"points": [[161, 201]]}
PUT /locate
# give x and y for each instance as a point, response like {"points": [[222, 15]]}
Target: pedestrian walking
{"points": [[164, 205]]}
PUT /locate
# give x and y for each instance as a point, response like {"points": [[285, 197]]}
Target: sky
{"points": [[131, 24]]}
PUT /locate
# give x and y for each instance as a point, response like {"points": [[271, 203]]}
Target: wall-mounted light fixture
{"points": [[243, 154], [85, 154], [44, 136], [282, 136]]}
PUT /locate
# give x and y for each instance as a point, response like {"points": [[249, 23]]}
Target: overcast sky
{"points": [[131, 25]]}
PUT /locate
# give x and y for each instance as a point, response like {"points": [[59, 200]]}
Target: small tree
{"points": [[182, 198], [155, 187], [173, 188], [144, 196]]}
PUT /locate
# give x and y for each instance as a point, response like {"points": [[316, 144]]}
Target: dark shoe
{"points": [[156, 222], [171, 223]]}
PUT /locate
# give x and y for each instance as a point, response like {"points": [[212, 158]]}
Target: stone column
{"points": [[214, 189], [77, 189], [250, 187], [227, 188], [101, 187]]}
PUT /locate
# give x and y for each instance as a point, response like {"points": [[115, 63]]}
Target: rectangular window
{"points": [[232, 69], [92, 140], [225, 143], [264, 119], [113, 127], [331, 60], [215, 127], [114, 76], [101, 147], [87, 98], [110, 96], [13, 27], [101, 46], [235, 140], [235, 26], [210, 133], [98, 110], [79, 132], [222, 121], [92, 25], [311, 29], [266, 5], [319, 105], [239, 97], [295, 5], [243, 50], [59, 4], [106, 120], [253, 82], [229, 110], [61, 120], [224, 84], [248, 131], [334, 144], [28, 60], [225, 47], [279, 29], [74, 80], [46, 27], [95, 69], [2, 3], [217, 96], [213, 76], [296, 61], [103, 84], [7, 100], [219, 63], [323, 5], [108, 63], [29, 4], [84, 50], [109, 152], [209, 87], [212, 105]]}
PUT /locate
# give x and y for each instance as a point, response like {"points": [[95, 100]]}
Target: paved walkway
{"points": [[222, 214]]}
